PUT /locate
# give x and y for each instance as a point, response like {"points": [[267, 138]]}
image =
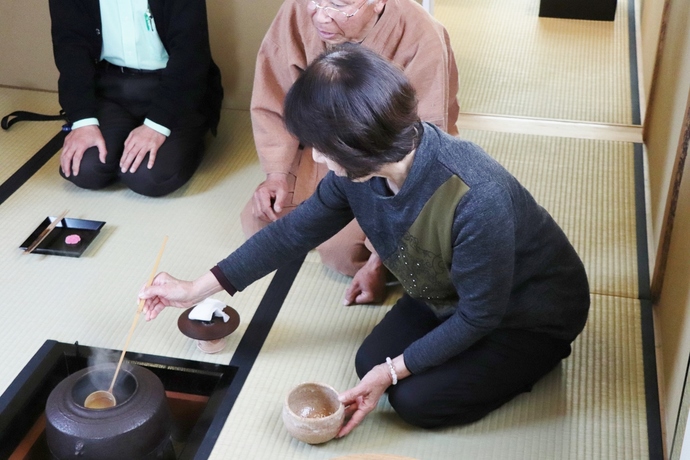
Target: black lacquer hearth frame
{"points": [[24, 400]]}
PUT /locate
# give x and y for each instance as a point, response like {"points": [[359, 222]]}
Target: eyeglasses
{"points": [[334, 12]]}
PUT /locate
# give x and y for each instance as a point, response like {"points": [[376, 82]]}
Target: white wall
{"points": [[650, 28], [236, 28], [663, 130]]}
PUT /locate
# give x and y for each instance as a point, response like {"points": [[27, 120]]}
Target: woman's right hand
{"points": [[164, 291]]}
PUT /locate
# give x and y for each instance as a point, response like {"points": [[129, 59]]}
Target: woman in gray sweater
{"points": [[494, 291]]}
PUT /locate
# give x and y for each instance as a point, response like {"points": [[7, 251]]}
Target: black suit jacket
{"points": [[191, 80]]}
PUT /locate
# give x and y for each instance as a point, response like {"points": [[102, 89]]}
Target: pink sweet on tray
{"points": [[72, 239]]}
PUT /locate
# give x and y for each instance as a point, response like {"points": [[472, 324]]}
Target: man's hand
{"points": [[141, 140], [76, 143], [270, 197]]}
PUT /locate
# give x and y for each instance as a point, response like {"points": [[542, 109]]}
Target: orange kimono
{"points": [[405, 33]]}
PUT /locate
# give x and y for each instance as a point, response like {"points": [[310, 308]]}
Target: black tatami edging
{"points": [[250, 345], [651, 382], [28, 169], [632, 57]]}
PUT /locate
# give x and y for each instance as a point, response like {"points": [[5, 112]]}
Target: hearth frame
{"points": [[24, 400]]}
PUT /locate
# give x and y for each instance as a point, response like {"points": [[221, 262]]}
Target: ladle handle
{"points": [[136, 317]]}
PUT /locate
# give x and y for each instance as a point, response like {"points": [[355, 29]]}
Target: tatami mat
{"points": [[582, 410], [590, 407], [22, 140], [588, 187], [92, 299], [512, 62]]}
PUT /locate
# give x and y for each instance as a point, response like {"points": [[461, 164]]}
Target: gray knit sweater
{"points": [[462, 235]]}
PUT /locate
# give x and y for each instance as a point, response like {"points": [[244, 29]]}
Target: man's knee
{"points": [[90, 178], [147, 183]]}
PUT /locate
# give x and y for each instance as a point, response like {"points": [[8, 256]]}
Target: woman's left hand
{"points": [[364, 398]]}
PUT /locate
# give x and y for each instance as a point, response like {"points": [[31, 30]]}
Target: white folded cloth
{"points": [[207, 309]]}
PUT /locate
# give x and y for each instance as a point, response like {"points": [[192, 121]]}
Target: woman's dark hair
{"points": [[354, 107]]}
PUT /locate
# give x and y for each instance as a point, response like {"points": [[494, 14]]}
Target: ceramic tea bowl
{"points": [[312, 412]]}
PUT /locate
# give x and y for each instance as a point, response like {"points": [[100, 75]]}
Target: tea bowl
{"points": [[312, 412]]}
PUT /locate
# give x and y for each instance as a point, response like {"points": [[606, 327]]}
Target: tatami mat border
{"points": [[29, 168], [634, 75], [653, 404], [249, 347]]}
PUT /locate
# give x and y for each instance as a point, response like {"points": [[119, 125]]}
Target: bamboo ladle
{"points": [[103, 399]]}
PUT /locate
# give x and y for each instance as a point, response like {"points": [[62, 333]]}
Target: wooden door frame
{"points": [[670, 207]]}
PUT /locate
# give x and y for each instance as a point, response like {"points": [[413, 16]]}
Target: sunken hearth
{"points": [[196, 393]]}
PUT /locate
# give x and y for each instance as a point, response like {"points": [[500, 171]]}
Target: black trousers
{"points": [[490, 373], [124, 99]]}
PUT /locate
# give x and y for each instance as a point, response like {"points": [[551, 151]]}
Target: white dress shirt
{"points": [[130, 40]]}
